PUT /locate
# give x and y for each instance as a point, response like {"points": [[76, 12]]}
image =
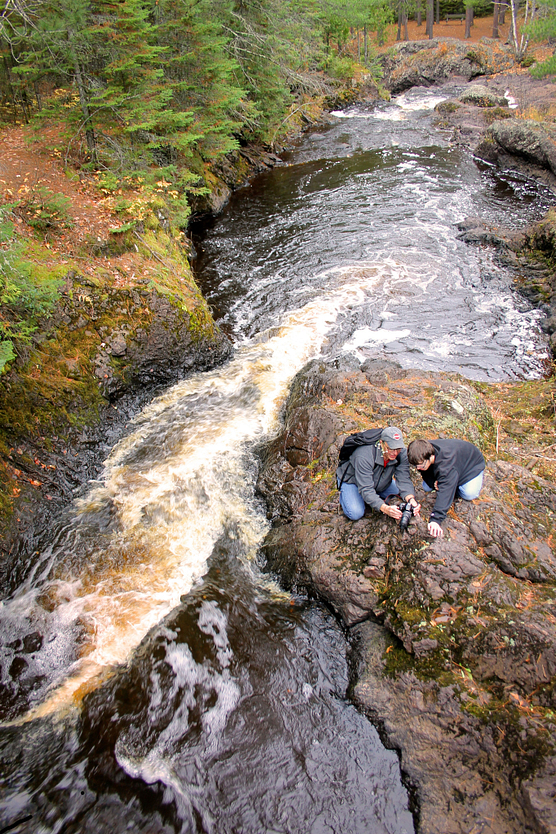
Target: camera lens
{"points": [[407, 512]]}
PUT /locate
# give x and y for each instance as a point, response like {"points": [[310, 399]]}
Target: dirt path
{"points": [[26, 166], [482, 28]]}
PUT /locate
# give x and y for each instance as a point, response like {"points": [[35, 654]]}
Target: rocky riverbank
{"points": [[105, 349], [454, 639]]}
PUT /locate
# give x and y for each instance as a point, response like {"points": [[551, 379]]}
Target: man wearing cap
{"points": [[373, 473]]}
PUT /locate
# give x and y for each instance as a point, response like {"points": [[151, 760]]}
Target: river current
{"points": [[153, 677]]}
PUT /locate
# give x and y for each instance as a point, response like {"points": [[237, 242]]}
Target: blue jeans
{"points": [[467, 491], [472, 488], [352, 503]]}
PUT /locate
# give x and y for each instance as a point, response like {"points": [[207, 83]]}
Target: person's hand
{"points": [[393, 511], [414, 504], [435, 529]]}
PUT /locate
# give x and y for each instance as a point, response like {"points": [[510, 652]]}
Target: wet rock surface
{"points": [[530, 254], [523, 145], [454, 638]]}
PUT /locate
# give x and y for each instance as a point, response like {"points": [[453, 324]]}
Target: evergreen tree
{"points": [[201, 74], [264, 59], [133, 93]]}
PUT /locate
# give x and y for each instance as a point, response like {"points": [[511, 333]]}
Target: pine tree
{"points": [[199, 71], [54, 39]]}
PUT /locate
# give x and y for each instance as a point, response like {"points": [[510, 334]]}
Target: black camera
{"points": [[407, 512]]}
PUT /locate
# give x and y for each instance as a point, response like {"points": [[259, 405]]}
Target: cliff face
{"points": [[104, 350], [455, 638]]}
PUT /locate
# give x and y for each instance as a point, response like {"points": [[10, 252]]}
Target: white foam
{"points": [[179, 480]]}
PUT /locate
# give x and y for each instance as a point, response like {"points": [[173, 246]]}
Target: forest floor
{"points": [[32, 163], [482, 28]]}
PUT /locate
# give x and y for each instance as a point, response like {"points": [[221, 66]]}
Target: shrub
{"points": [[45, 210], [24, 294]]}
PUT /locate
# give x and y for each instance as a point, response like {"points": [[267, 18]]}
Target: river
{"points": [[154, 679]]}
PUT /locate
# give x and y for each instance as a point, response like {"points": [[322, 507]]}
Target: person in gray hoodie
{"points": [[373, 473]]}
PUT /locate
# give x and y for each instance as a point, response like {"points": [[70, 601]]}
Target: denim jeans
{"points": [[467, 491], [352, 503], [472, 488]]}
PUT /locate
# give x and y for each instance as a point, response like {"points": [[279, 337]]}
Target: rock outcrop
{"points": [[435, 61], [521, 144], [455, 637]]}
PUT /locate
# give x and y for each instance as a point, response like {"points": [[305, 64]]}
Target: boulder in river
{"points": [[521, 144]]}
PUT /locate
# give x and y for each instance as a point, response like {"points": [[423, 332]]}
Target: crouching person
{"points": [[373, 473], [455, 468]]}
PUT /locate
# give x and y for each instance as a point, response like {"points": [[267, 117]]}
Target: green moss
{"points": [[496, 113], [397, 660], [201, 324], [447, 107]]}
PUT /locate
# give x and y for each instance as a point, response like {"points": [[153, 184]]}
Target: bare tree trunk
{"points": [[520, 42], [512, 36], [366, 42], [84, 102], [437, 11], [468, 20], [38, 97], [495, 20], [419, 13], [402, 24], [429, 18]]}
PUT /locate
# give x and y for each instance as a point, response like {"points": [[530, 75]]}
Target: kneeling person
{"points": [[374, 472], [455, 468]]}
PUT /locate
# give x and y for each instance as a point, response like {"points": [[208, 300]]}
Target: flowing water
{"points": [[153, 678]]}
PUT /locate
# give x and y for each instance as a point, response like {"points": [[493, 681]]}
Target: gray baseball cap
{"points": [[392, 437]]}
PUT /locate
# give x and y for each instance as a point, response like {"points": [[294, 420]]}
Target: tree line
{"points": [[188, 77]]}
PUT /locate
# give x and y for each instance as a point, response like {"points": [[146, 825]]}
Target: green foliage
{"points": [[201, 73], [45, 210], [340, 67], [25, 293], [148, 196], [543, 27], [7, 354]]}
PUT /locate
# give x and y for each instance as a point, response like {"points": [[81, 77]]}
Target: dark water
{"points": [[230, 717], [378, 195], [153, 678]]}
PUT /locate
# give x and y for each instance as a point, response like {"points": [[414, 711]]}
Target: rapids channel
{"points": [[154, 677]]}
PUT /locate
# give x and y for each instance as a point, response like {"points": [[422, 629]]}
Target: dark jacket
{"points": [[455, 462], [367, 471]]}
